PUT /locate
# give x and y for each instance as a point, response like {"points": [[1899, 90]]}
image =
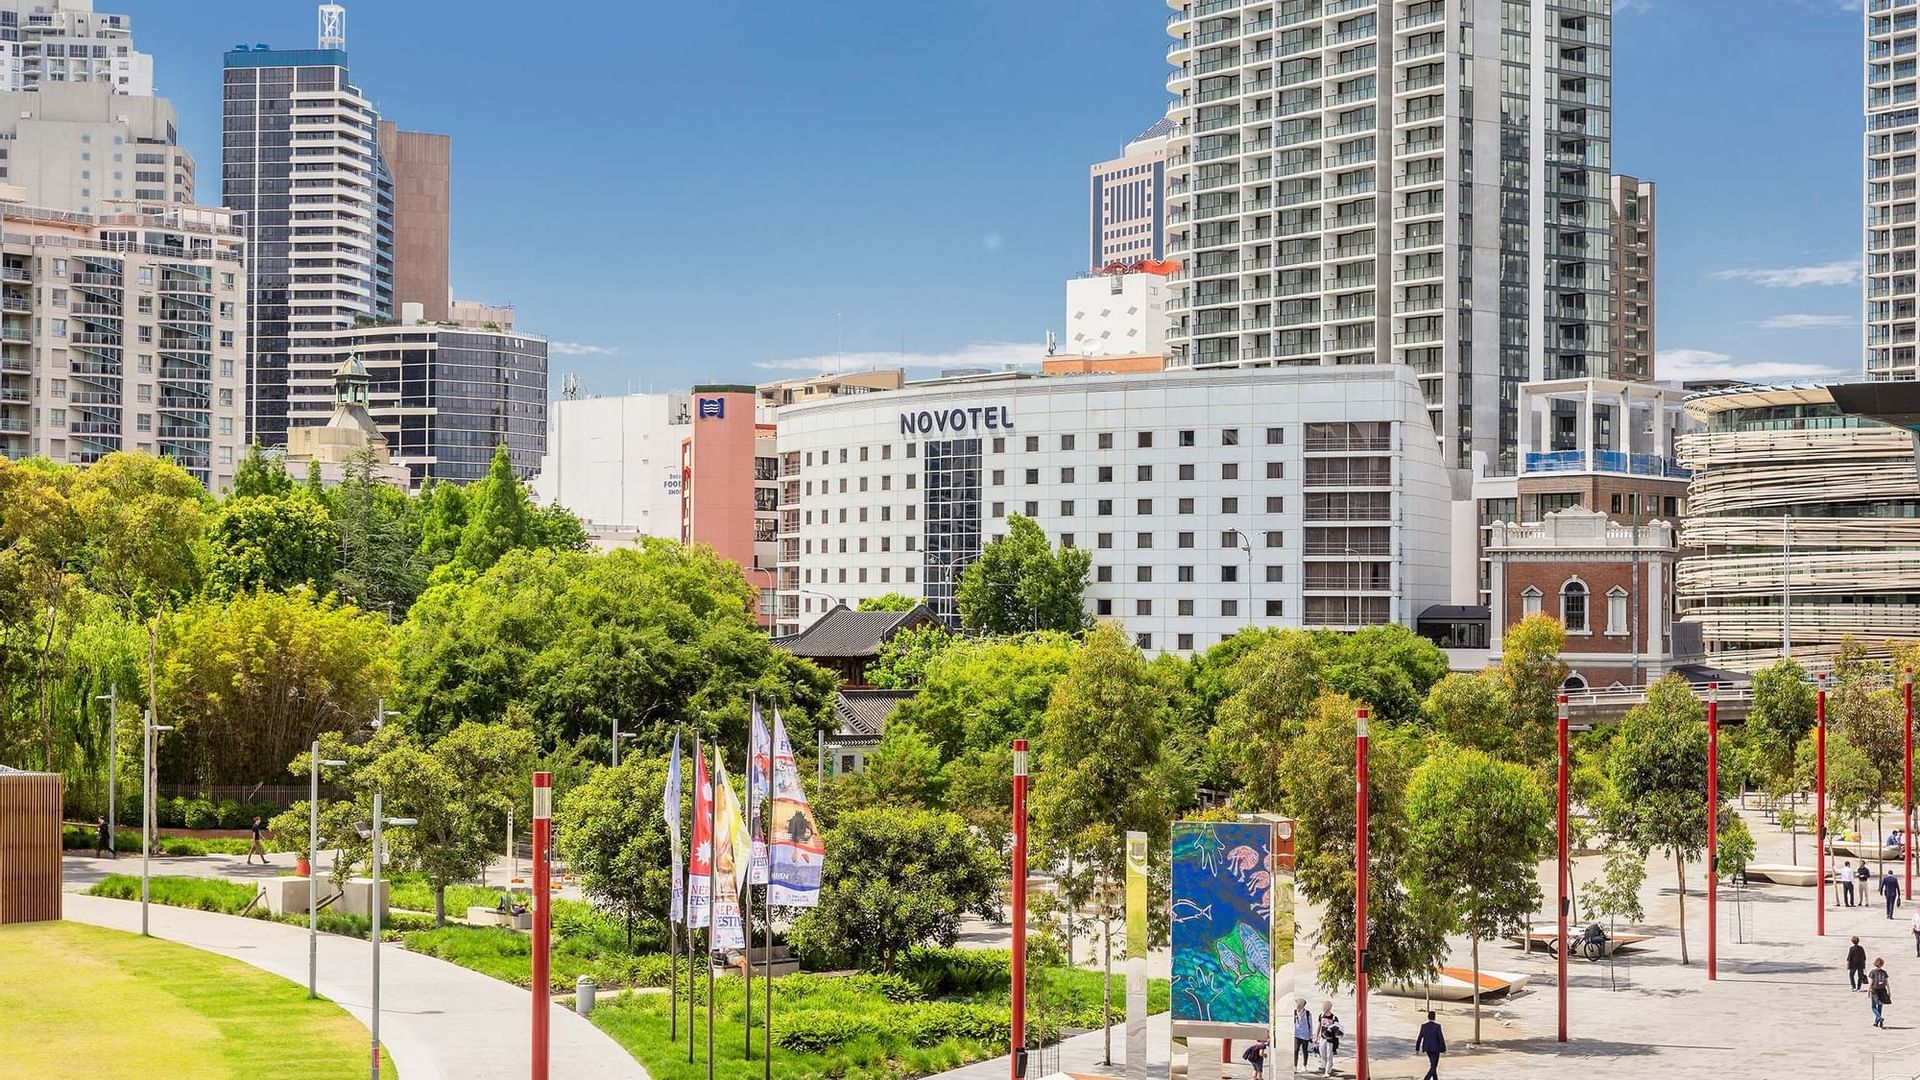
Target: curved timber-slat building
{"points": [[1788, 489]]}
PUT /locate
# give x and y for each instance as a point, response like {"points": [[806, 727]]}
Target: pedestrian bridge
{"points": [[1590, 708]]}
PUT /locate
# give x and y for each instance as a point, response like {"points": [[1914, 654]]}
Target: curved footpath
{"points": [[439, 1021]]}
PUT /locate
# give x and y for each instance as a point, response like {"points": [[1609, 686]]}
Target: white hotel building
{"points": [[1211, 501]]}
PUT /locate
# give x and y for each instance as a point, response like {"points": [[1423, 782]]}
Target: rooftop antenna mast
{"points": [[333, 26]]}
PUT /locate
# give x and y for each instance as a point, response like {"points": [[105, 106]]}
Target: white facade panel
{"points": [[615, 461]]}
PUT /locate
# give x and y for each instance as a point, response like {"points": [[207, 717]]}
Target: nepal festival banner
{"points": [[798, 850], [730, 854], [1224, 892], [759, 788], [700, 860]]}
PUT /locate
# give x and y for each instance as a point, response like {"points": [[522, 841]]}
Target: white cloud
{"points": [[1683, 364], [1843, 272], [992, 354], [574, 348], [1809, 322]]}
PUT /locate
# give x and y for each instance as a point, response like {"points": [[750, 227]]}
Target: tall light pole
{"points": [[148, 788], [1019, 972], [313, 869], [1360, 894], [1906, 816], [1560, 900], [617, 736], [543, 923], [375, 907], [112, 698], [1820, 800], [1246, 546], [1713, 831]]}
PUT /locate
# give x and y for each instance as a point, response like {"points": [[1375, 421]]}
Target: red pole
{"points": [[1560, 810], [1713, 830], [1360, 895], [1906, 818], [1820, 799], [542, 919], [1019, 909]]}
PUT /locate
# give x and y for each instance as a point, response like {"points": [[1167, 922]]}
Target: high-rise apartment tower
{"points": [[1893, 125], [1418, 182]]}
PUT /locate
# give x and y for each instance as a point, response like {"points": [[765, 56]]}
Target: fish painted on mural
{"points": [[1254, 944], [1193, 911]]}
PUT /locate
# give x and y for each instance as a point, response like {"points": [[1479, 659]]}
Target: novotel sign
{"points": [[956, 421]]}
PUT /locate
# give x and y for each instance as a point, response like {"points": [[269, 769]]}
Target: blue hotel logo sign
{"points": [[956, 421], [710, 408]]}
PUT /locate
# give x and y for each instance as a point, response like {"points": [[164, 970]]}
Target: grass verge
{"points": [[232, 898]]}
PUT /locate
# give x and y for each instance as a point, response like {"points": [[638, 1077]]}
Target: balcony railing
{"points": [[1617, 462]]}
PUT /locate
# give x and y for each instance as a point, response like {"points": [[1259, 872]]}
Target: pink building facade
{"points": [[725, 464]]}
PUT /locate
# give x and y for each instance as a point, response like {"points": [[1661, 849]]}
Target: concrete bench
{"points": [[486, 916]]}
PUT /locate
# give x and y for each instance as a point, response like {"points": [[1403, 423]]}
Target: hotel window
{"points": [[1229, 574], [1186, 540], [1066, 475], [1184, 607], [1033, 476], [1105, 440], [1143, 607], [999, 477], [1276, 436], [1143, 472], [863, 453], [1276, 470], [1104, 540], [1230, 471], [1276, 609], [1275, 539], [1103, 573], [1000, 445], [1230, 505], [1143, 540], [1145, 440], [1185, 506], [1066, 442], [1276, 574], [1276, 504], [1184, 575], [886, 482], [1230, 608], [1186, 642], [886, 452], [999, 509], [1104, 507], [1186, 438], [1066, 540], [1230, 436], [1143, 506], [843, 455], [1103, 606], [1143, 573], [1186, 472], [1066, 508], [1104, 475], [1033, 443], [1144, 641], [1530, 601], [1032, 509]]}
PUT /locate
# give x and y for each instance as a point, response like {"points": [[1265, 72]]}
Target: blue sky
{"points": [[678, 193]]}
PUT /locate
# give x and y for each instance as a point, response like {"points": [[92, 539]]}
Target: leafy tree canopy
{"points": [[1021, 583]]}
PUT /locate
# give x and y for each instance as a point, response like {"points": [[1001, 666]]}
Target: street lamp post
{"points": [[150, 732], [1560, 890], [112, 698], [374, 907], [1820, 801], [1906, 816], [1246, 547], [1713, 831], [313, 869], [617, 736], [1019, 961]]}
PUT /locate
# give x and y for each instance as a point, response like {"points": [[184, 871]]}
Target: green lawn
{"points": [[83, 1003]]}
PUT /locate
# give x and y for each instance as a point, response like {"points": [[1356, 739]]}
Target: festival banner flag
{"points": [[670, 802], [759, 788], [798, 849], [731, 851], [700, 861]]}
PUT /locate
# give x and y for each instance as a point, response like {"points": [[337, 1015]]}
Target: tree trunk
{"points": [[1880, 834], [1680, 874], [439, 906], [1476, 987], [1106, 986]]}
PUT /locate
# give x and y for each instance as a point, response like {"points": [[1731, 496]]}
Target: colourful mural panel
{"points": [[1224, 893]]}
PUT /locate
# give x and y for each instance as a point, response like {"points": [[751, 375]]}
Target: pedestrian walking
{"points": [[259, 843], [1916, 932], [1877, 994], [1432, 1042], [1856, 966], [1846, 884], [1302, 1037], [1890, 891], [103, 838], [1329, 1030], [1862, 875], [1256, 1056]]}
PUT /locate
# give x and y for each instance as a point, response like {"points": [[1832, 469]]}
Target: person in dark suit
{"points": [[1432, 1043], [1856, 965]]}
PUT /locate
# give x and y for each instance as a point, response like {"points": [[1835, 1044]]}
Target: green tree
{"points": [[380, 567], [1659, 775], [981, 695], [659, 635], [556, 527], [892, 601], [271, 542], [459, 790], [1871, 717], [496, 516], [1390, 667], [442, 510], [611, 833], [251, 681], [42, 598], [903, 770], [1273, 691], [904, 657], [1780, 716], [1736, 847], [1530, 663], [1021, 583], [894, 879], [1478, 830], [260, 474], [1472, 710], [1406, 937], [1100, 769], [143, 518]]}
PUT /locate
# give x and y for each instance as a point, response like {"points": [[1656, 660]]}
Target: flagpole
{"points": [[713, 858], [699, 763], [675, 917], [746, 902]]}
